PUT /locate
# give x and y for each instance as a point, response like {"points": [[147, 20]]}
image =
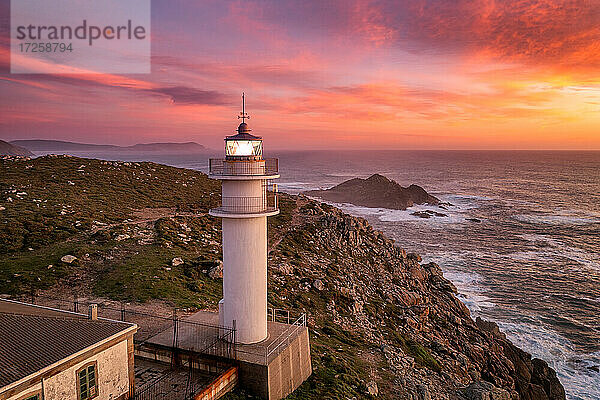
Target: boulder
{"points": [[68, 259], [423, 392], [414, 256], [483, 390], [216, 272], [286, 269], [490, 327], [545, 377], [428, 214], [372, 388], [318, 284], [177, 261]]}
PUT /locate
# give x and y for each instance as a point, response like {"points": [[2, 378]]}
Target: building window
{"points": [[87, 381]]}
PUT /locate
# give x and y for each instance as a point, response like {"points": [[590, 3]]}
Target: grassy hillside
{"points": [[96, 211], [125, 222], [380, 321]]}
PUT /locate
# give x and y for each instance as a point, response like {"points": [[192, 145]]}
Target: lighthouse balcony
{"points": [[262, 169], [247, 207]]}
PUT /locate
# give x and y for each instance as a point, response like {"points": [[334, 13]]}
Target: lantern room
{"points": [[243, 146]]}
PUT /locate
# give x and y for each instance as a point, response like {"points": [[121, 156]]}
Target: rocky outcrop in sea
{"points": [[375, 191]]}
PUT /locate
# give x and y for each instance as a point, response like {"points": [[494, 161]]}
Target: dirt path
{"points": [[296, 221], [147, 216]]}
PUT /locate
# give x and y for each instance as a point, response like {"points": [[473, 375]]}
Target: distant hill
{"points": [[62, 146], [179, 147], [8, 149], [375, 191]]}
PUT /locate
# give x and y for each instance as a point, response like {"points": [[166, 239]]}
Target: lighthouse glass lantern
{"points": [[243, 145]]}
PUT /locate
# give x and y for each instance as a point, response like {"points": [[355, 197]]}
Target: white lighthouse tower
{"points": [[246, 204]]}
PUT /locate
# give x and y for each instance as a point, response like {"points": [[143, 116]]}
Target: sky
{"points": [[335, 74]]}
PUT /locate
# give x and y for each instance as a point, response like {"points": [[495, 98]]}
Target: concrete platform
{"points": [[272, 369]]}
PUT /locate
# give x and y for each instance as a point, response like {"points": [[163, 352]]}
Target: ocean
{"points": [[520, 240]]}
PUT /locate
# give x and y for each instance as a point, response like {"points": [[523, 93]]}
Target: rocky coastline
{"points": [[371, 287]]}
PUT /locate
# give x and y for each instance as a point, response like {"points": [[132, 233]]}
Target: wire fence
{"points": [[177, 333], [177, 384], [167, 331], [160, 389]]}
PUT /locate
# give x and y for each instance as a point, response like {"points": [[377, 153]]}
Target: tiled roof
{"points": [[29, 343]]}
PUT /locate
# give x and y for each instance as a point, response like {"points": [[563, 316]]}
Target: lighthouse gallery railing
{"points": [[249, 205], [267, 166]]}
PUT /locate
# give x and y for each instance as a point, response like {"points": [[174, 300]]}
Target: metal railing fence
{"points": [[285, 338], [159, 389], [220, 166], [248, 205], [280, 342], [186, 335], [191, 336]]}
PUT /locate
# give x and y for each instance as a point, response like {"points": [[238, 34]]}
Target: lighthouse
{"points": [[248, 198]]}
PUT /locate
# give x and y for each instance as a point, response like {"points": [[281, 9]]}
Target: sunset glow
{"points": [[445, 74]]}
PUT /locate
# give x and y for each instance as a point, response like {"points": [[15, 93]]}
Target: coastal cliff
{"points": [[375, 191], [397, 312], [382, 323], [8, 149]]}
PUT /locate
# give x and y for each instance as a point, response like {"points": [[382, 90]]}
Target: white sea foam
{"points": [[470, 285], [558, 219], [389, 215], [470, 290], [556, 249], [581, 383], [532, 335]]}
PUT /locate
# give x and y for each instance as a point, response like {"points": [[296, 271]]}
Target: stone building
{"points": [[47, 353]]}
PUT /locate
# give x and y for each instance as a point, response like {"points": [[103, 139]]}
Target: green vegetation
{"points": [[127, 222], [421, 355], [94, 210]]}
